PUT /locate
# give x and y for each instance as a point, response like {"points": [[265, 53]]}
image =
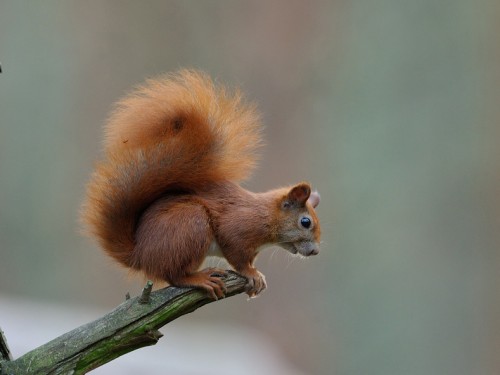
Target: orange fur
{"points": [[166, 190]]}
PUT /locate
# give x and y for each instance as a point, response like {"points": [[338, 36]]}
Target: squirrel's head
{"points": [[298, 226]]}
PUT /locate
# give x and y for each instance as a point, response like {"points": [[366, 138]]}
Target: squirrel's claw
{"points": [[256, 282], [208, 280], [213, 283]]}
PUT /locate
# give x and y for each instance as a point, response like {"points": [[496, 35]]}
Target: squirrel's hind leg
{"points": [[207, 279], [173, 238]]}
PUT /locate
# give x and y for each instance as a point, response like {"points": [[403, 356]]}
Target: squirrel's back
{"points": [[177, 133]]}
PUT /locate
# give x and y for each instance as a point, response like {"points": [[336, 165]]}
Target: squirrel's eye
{"points": [[305, 222]]}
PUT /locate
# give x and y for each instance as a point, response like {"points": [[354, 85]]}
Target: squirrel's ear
{"points": [[314, 199], [298, 195]]}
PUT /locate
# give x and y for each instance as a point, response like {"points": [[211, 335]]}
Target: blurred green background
{"points": [[390, 108]]}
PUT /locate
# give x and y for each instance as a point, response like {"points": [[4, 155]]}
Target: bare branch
{"points": [[131, 326]]}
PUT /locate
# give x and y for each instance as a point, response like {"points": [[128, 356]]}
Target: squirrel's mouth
{"points": [[304, 248]]}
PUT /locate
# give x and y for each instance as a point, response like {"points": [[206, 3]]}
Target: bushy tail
{"points": [[177, 132]]}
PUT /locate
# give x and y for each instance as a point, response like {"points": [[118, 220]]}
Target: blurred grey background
{"points": [[390, 108]]}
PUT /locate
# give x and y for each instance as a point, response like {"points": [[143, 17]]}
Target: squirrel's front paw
{"points": [[256, 282]]}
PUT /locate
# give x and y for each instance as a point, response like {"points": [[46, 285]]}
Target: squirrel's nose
{"points": [[315, 251]]}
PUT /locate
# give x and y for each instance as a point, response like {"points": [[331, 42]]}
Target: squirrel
{"points": [[166, 194]]}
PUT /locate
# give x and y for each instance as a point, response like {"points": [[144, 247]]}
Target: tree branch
{"points": [[132, 325], [4, 348]]}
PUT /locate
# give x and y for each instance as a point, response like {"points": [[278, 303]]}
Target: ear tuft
{"points": [[314, 199], [299, 194]]}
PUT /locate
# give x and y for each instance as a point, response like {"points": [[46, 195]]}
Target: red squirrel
{"points": [[166, 194]]}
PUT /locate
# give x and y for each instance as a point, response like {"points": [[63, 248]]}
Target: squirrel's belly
{"points": [[214, 250]]}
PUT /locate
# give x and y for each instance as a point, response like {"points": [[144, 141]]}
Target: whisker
{"points": [[291, 259], [273, 254]]}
